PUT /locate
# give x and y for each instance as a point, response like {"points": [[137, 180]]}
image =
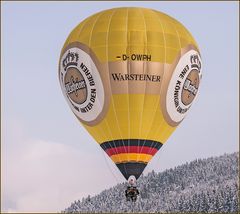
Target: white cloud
{"points": [[45, 176]]}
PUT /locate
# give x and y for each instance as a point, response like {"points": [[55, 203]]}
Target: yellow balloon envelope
{"points": [[130, 76]]}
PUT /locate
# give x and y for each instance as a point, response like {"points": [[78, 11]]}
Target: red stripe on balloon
{"points": [[131, 149]]}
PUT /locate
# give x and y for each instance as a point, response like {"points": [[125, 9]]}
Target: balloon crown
{"points": [[70, 59]]}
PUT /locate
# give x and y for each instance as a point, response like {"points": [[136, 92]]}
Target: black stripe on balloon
{"points": [[131, 168], [131, 142]]}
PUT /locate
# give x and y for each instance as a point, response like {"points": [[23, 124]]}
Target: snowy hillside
{"points": [[204, 185]]}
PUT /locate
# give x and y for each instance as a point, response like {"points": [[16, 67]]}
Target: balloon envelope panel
{"points": [[130, 76]]}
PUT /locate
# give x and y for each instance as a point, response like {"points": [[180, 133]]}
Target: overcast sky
{"points": [[48, 158]]}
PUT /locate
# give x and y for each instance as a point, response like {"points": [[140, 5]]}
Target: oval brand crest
{"points": [[81, 84], [75, 86], [183, 86], [190, 87]]}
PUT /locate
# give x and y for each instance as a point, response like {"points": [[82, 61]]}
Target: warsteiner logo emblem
{"points": [[81, 84], [183, 86], [75, 86], [191, 84], [190, 87]]}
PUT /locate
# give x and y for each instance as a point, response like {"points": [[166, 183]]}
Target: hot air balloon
{"points": [[130, 76]]}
